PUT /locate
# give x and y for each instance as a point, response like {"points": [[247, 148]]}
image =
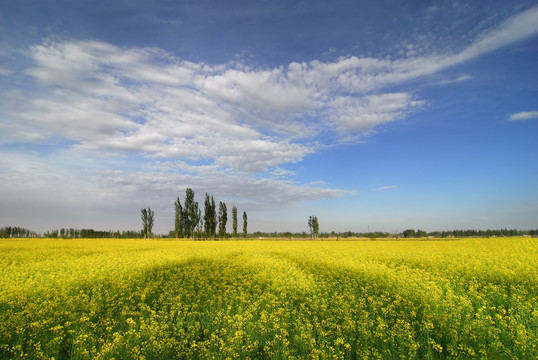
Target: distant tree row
{"points": [[16, 232], [483, 233], [5, 232], [410, 233], [407, 233], [92, 234], [191, 224]]}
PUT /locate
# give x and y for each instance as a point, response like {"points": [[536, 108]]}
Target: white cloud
{"points": [[365, 113], [267, 90], [523, 115], [113, 99], [387, 187], [16, 131], [123, 100], [459, 79], [515, 28], [77, 117], [278, 172]]}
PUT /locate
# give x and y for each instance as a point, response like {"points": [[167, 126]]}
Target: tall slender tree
{"points": [[234, 221], [198, 221], [191, 213], [313, 225], [151, 217], [244, 224], [223, 219], [144, 218], [316, 226], [179, 219], [210, 216], [147, 216]]}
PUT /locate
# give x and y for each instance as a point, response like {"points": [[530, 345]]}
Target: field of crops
{"points": [[150, 299]]}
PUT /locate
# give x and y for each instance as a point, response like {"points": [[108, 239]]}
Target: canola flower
{"points": [[149, 299]]}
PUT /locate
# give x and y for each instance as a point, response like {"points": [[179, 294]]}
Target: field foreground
{"points": [[145, 299]]}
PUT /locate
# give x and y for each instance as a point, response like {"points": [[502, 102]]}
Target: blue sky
{"points": [[382, 115]]}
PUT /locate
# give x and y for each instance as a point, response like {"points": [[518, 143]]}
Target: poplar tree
{"points": [[313, 225], [147, 216], [144, 218], [244, 224], [191, 213], [210, 216], [223, 219], [179, 219], [197, 220], [151, 216], [234, 221]]}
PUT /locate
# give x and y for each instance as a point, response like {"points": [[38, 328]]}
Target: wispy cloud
{"points": [[456, 80], [386, 187], [278, 172], [523, 115]]}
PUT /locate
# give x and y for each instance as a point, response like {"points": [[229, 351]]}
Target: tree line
{"points": [[189, 223], [70, 233], [66, 233], [410, 233], [17, 232], [92, 234], [20, 232]]}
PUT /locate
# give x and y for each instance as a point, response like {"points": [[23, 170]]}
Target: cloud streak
{"points": [[387, 187], [523, 115], [456, 80]]}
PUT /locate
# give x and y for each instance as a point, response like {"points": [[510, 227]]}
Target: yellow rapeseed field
{"points": [[155, 299]]}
